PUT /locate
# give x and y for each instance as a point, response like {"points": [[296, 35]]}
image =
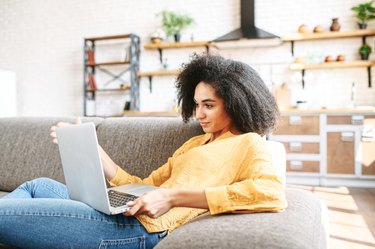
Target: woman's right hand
{"points": [[60, 124]]}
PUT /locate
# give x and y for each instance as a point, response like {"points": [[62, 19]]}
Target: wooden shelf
{"points": [[328, 35], [150, 74], [166, 45], [158, 73], [150, 114], [328, 65], [340, 64], [110, 63], [110, 90], [108, 37]]}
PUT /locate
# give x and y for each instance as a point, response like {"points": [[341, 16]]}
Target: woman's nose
{"points": [[199, 114]]}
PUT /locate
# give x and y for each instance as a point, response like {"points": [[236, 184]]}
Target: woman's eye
{"points": [[209, 106]]}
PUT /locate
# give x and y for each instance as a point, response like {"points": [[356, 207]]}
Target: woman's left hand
{"points": [[153, 204]]}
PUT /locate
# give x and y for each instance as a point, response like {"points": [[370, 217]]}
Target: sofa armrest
{"points": [[300, 226]]}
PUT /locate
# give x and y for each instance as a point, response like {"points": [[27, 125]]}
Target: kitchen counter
{"points": [[366, 110]]}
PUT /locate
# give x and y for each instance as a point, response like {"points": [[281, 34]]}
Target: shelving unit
{"points": [[130, 64], [328, 65]]}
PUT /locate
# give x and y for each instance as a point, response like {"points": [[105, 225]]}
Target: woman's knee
{"points": [[44, 187]]}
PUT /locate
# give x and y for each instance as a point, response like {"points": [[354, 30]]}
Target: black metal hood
{"points": [[248, 29]]}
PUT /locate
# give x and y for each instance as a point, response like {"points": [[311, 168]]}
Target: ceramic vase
{"points": [[335, 25]]}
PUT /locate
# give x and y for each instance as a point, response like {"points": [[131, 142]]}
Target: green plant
{"points": [[174, 23], [365, 49], [365, 12]]}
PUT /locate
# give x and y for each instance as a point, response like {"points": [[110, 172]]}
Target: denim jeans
{"points": [[39, 214]]}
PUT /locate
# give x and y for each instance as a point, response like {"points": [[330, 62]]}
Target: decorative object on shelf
{"points": [[283, 96], [364, 13], [365, 50], [328, 58], [340, 57], [298, 60], [90, 56], [174, 23], [91, 82], [335, 26], [303, 29], [318, 29], [157, 36]]}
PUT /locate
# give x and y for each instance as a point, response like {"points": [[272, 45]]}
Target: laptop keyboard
{"points": [[117, 199]]}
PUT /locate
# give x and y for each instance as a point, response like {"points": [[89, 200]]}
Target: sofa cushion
{"points": [[27, 150], [141, 145], [300, 226]]}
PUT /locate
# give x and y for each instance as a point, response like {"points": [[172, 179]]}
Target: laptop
{"points": [[84, 175]]}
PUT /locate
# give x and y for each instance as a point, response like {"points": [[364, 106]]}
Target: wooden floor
{"points": [[351, 215]]}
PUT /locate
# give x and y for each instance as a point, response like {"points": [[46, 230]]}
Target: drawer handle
{"points": [[296, 165], [357, 119], [295, 120], [295, 146], [347, 136]]}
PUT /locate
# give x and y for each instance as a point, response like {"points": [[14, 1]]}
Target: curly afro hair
{"points": [[247, 99]]}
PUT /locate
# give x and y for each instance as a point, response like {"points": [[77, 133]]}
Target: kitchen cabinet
{"points": [[368, 146], [340, 152], [325, 147]]}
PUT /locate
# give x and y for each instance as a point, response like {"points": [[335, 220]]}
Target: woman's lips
{"points": [[204, 123]]}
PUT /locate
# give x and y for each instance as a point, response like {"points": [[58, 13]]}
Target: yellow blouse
{"points": [[236, 172]]}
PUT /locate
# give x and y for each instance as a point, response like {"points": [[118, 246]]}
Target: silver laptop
{"points": [[84, 175]]}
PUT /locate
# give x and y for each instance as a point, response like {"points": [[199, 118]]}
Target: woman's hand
{"points": [[60, 124], [153, 204]]}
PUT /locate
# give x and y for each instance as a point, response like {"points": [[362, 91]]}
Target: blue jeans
{"points": [[39, 214]]}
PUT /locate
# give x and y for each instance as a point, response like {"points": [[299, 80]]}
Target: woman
{"points": [[226, 170]]}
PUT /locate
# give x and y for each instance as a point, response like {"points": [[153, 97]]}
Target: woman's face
{"points": [[210, 111]]}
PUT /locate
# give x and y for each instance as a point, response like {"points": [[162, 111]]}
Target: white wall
{"points": [[42, 42], [8, 102]]}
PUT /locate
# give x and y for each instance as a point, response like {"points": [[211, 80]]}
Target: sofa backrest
{"points": [[140, 145], [27, 151]]}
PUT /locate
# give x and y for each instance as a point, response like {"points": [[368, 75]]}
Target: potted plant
{"points": [[364, 13], [174, 23], [365, 50]]}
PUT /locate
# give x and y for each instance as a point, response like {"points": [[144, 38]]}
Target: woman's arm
{"points": [[160, 201]]}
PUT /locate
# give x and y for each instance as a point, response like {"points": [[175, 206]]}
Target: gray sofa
{"points": [[140, 145]]}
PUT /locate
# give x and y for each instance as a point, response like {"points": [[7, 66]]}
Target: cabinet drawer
{"points": [[303, 166], [340, 152], [345, 120], [302, 147], [298, 125]]}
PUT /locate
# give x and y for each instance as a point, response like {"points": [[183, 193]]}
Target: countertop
{"points": [[360, 110]]}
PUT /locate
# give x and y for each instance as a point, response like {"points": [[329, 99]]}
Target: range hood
{"points": [[247, 35]]}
